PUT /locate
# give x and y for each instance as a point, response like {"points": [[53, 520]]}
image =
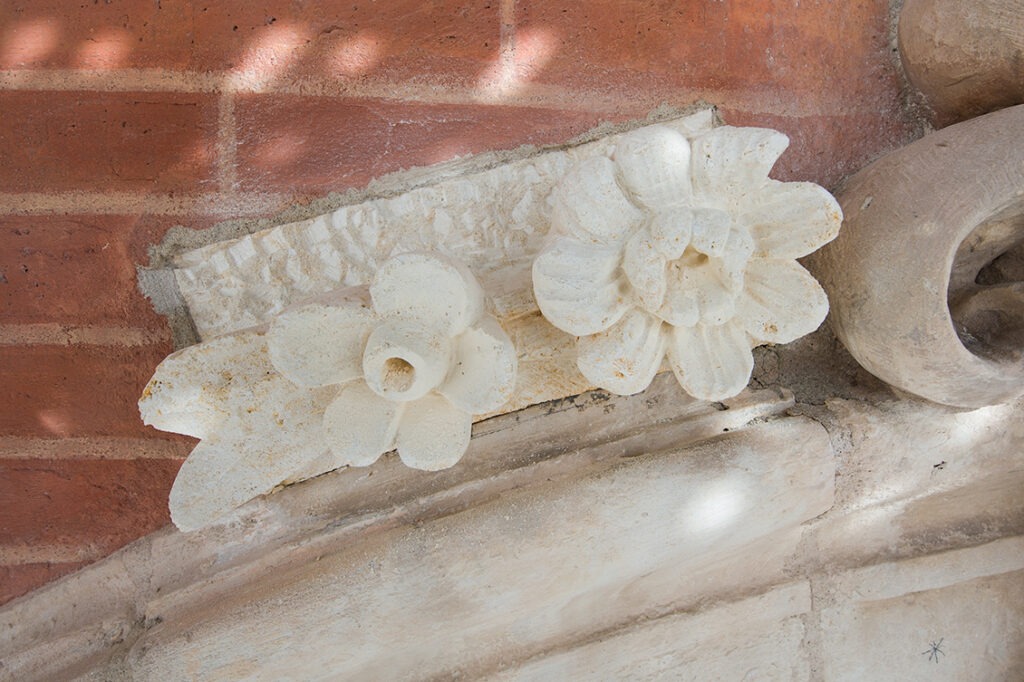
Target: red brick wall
{"points": [[122, 118]]}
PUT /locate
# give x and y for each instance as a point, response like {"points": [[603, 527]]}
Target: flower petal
{"points": [[433, 433], [711, 363], [625, 358], [590, 205], [655, 166], [710, 230], [792, 219], [204, 489], [430, 289], [780, 301], [715, 296], [737, 252], [248, 455], [680, 308], [645, 267], [579, 287], [483, 375], [729, 163], [671, 231], [359, 426], [404, 361], [703, 292], [319, 345], [198, 388]]}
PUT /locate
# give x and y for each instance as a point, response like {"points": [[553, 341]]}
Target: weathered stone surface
{"points": [[173, 576], [267, 404], [964, 56], [884, 621], [420, 602], [920, 224], [500, 218], [494, 221], [917, 476], [489, 220], [698, 248], [760, 638]]}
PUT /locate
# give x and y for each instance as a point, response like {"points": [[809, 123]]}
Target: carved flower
{"points": [[683, 248], [413, 367]]}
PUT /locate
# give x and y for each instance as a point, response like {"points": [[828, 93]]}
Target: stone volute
{"points": [[946, 322], [965, 57]]}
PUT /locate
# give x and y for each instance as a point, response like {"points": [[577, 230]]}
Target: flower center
{"points": [[691, 258], [398, 375], [404, 361], [700, 287]]}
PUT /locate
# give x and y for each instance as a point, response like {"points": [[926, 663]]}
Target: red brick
{"points": [[97, 506], [319, 145], [452, 39], [90, 34], [49, 261], [117, 141], [396, 39], [18, 580], [61, 391], [822, 49]]}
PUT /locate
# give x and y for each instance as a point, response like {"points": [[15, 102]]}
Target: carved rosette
{"points": [[404, 363], [683, 248], [411, 368]]}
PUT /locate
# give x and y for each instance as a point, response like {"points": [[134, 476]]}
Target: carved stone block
{"points": [[332, 341]]}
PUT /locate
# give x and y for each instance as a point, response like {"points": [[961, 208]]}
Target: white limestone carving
{"points": [[413, 367], [683, 247], [324, 349], [332, 383], [489, 219], [493, 219]]}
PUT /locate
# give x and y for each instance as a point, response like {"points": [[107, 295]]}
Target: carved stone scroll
{"points": [[964, 56], [934, 226]]}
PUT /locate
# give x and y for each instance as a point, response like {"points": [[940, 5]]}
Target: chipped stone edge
{"points": [[152, 278]]}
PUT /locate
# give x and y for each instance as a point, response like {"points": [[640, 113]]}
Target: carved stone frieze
{"points": [[493, 221], [336, 382], [330, 342], [489, 220]]}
